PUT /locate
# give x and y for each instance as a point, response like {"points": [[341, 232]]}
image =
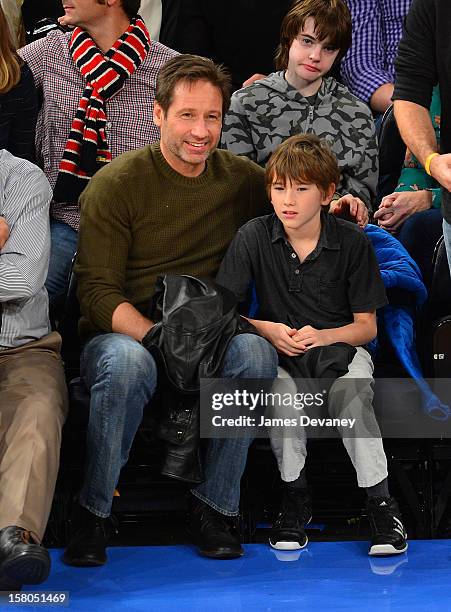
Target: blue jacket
{"points": [[399, 270]]}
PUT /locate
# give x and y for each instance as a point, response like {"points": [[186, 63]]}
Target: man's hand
{"points": [[308, 337], [440, 168], [4, 232], [395, 208], [280, 336], [352, 206], [253, 78]]}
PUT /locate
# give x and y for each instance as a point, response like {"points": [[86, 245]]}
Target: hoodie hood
{"points": [[327, 94]]}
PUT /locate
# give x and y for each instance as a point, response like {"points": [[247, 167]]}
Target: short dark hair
{"points": [[131, 7], [332, 20], [303, 158], [191, 68]]}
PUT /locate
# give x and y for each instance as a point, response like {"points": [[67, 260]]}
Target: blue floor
{"points": [[326, 576]]}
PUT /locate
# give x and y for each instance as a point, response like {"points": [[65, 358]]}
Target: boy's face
{"points": [[296, 204], [309, 59]]}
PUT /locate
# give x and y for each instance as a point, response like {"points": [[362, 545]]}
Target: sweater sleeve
{"points": [[416, 64], [103, 246], [236, 132], [360, 174]]}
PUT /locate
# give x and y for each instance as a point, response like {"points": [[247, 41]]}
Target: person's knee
{"points": [[121, 359], [254, 356], [43, 410]]}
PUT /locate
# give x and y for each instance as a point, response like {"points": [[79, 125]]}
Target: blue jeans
{"points": [[447, 239], [63, 248], [122, 375]]}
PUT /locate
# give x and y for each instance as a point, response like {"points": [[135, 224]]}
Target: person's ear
{"points": [[158, 114], [328, 194]]}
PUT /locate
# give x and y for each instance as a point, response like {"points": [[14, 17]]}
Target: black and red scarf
{"points": [[87, 147]]}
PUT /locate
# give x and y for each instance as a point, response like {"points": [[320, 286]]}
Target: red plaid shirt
{"points": [[129, 113]]}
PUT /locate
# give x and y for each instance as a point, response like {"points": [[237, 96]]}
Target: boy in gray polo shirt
{"points": [[317, 284]]}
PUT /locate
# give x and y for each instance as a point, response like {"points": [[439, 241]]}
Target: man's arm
{"points": [[25, 255], [393, 13], [34, 54], [381, 98], [104, 241], [363, 67], [422, 140]]}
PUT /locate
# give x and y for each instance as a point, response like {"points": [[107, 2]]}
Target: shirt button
{"points": [[293, 255], [109, 124], [296, 271]]}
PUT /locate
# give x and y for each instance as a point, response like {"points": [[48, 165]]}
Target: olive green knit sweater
{"points": [[140, 218]]}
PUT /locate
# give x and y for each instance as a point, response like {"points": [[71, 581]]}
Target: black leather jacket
{"points": [[195, 321]]}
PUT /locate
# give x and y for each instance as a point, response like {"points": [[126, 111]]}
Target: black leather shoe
{"points": [[90, 535], [22, 560], [213, 532]]}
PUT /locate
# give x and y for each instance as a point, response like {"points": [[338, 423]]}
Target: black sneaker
{"points": [[213, 532], [388, 536], [288, 531]]}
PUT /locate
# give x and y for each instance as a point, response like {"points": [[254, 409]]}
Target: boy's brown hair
{"points": [[303, 159], [332, 20], [191, 68]]}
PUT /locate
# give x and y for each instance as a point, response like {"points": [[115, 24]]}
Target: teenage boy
{"points": [[297, 99], [322, 272]]}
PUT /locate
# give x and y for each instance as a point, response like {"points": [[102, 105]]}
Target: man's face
{"points": [[309, 59], [191, 129], [83, 13]]}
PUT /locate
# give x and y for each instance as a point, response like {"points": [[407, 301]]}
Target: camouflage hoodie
{"points": [[267, 112]]}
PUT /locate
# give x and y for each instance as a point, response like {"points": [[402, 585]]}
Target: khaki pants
{"points": [[366, 451], [33, 407]]}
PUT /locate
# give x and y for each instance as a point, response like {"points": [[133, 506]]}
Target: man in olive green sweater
{"points": [[172, 207]]}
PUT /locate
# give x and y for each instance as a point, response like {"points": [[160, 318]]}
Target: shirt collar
{"points": [[328, 238]]}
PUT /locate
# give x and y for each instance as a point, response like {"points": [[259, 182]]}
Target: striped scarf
{"points": [[87, 147]]}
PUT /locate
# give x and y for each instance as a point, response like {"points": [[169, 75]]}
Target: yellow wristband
{"points": [[427, 163]]}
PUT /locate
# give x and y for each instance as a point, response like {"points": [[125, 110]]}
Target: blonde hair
{"points": [[10, 62]]}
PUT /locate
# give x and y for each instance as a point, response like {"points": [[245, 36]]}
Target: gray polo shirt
{"points": [[25, 196]]}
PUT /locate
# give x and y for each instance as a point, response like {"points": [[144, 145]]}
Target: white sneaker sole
{"points": [[288, 545], [381, 550]]}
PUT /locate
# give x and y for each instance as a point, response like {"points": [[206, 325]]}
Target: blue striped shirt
{"points": [[376, 32], [25, 196]]}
